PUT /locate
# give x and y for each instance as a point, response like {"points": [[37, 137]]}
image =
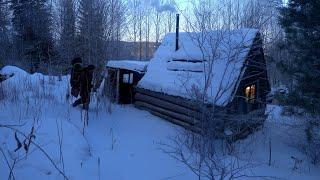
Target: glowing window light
{"points": [[250, 92]]}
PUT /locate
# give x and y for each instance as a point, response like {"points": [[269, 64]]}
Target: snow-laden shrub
{"points": [[38, 87]]}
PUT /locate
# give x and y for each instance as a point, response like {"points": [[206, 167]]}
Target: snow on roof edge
{"points": [[133, 65]]}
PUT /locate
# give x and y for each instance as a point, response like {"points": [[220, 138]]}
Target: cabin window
{"points": [[250, 93], [127, 78]]}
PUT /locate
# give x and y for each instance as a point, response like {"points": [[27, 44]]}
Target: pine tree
{"points": [[301, 22], [32, 24], [68, 30]]}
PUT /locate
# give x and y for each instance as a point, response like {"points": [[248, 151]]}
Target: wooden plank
{"points": [[172, 114], [172, 99], [118, 86], [167, 105]]}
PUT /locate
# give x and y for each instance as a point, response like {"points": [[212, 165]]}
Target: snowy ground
{"points": [[123, 144]]}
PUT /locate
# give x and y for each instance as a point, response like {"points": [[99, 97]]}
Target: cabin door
{"points": [[126, 88]]}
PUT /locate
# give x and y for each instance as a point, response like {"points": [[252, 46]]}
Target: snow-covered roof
{"points": [[184, 72], [139, 66]]}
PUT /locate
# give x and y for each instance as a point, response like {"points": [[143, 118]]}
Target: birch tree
{"points": [[114, 19]]}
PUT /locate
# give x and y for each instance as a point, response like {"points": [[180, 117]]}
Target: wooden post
{"points": [[118, 86], [258, 93], [177, 33], [269, 152], [99, 168]]}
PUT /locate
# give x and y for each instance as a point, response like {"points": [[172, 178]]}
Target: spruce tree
{"points": [[32, 24], [4, 31], [68, 30], [91, 36], [301, 22], [4, 19]]}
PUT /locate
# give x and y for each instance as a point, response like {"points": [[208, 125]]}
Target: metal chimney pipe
{"points": [[177, 33]]}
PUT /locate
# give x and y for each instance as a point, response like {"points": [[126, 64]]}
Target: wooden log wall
{"points": [[177, 110], [189, 104], [187, 113]]}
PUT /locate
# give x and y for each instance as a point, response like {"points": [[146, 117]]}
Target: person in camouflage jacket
{"points": [[86, 77], [75, 76]]}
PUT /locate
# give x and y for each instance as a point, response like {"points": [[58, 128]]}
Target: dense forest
{"points": [[40, 33]]}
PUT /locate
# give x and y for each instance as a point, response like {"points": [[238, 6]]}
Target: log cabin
{"points": [[224, 69]]}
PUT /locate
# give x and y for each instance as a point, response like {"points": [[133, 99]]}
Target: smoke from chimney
{"points": [[162, 7]]}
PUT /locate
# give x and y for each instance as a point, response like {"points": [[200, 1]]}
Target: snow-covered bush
{"points": [[23, 86]]}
